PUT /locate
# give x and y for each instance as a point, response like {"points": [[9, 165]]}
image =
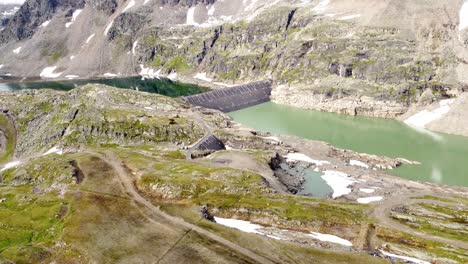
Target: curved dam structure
{"points": [[233, 98]]}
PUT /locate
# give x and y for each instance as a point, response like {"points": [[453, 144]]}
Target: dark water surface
{"points": [[164, 87]]}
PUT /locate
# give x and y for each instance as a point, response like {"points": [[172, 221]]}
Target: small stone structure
{"points": [[233, 98], [210, 142]]}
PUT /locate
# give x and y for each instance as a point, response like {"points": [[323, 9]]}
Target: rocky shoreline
{"points": [[349, 105]]}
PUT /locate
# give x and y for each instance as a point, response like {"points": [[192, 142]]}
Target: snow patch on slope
{"points": [[45, 24], [74, 17], [134, 46], [202, 76], [149, 73], [108, 28], [358, 164], [48, 72], [414, 260], [331, 238], [191, 17], [302, 157], [322, 6], [241, 225], [368, 200], [54, 150], [425, 117], [130, 5], [339, 182], [249, 227], [10, 165], [17, 50], [463, 16], [90, 38]]}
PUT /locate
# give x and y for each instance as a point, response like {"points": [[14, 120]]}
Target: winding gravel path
{"points": [[126, 180]]}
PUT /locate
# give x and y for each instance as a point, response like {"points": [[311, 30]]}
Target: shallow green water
{"points": [[444, 158], [314, 185], [164, 87]]}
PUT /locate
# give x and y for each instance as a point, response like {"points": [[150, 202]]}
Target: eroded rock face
{"points": [[97, 114], [108, 7], [32, 14], [128, 24]]}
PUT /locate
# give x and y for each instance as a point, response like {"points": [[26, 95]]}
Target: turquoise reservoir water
{"points": [[444, 158]]}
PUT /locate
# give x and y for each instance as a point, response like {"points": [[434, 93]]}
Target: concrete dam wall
{"points": [[233, 98]]}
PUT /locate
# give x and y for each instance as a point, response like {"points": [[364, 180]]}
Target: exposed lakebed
{"points": [[442, 157]]}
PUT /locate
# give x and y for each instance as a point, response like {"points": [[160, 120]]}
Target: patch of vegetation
{"points": [[9, 133], [410, 242], [55, 53], [178, 64], [29, 219]]}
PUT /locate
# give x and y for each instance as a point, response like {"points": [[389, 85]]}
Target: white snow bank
{"points": [[322, 6], [90, 38], [339, 182], [223, 84], [48, 72], [349, 17], [54, 150], [302, 157], [17, 50], [191, 17], [211, 10], [244, 226], [366, 190], [369, 199], [108, 28], [74, 17], [414, 260], [463, 16], [272, 138], [108, 74], [72, 76], [72, 57], [425, 117], [11, 165], [149, 73], [130, 5], [172, 76], [134, 46], [45, 24], [146, 1], [202, 76], [358, 163], [331, 238], [1, 66]]}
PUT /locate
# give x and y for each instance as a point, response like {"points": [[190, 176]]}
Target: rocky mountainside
{"points": [[6, 12], [367, 57]]}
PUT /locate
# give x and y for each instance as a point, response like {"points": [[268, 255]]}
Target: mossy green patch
{"points": [[8, 131], [178, 64]]}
